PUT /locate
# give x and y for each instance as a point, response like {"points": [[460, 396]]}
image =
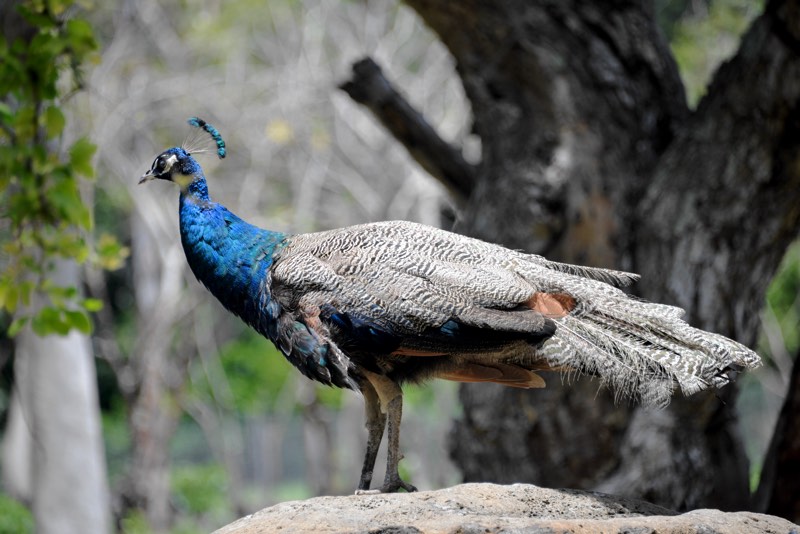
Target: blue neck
{"points": [[226, 254], [197, 189]]}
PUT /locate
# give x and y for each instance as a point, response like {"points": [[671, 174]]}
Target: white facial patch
{"points": [[171, 160]]}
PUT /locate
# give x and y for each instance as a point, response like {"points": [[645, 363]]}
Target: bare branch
{"points": [[444, 162]]}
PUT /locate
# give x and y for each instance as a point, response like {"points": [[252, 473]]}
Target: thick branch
{"points": [[443, 161], [574, 102], [723, 205]]}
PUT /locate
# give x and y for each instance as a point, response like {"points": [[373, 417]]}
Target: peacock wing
{"points": [[408, 280], [420, 282]]}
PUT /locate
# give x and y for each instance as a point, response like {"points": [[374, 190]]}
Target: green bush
{"points": [[15, 518], [200, 489]]}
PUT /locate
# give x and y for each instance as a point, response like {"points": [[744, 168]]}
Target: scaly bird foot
{"points": [[395, 483], [389, 486]]}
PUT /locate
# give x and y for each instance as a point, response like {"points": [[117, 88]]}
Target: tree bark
{"points": [[591, 156], [717, 218], [779, 488]]}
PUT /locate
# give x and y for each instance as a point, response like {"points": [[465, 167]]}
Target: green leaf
{"points": [[61, 293], [110, 253], [80, 36], [35, 18], [26, 289], [65, 199], [17, 325], [80, 157], [78, 319], [54, 121], [24, 124], [5, 113], [45, 164], [92, 305], [44, 213], [11, 298], [46, 322], [57, 7]]}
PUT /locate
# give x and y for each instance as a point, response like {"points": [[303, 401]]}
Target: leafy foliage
{"points": [[701, 40], [44, 217], [785, 288], [255, 372], [14, 517], [200, 489], [783, 300]]}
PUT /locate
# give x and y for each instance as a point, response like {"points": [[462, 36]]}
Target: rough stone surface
{"points": [[491, 508]]}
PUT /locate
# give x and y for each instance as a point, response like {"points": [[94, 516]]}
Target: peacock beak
{"points": [[146, 177]]}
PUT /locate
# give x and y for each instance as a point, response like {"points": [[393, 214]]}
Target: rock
{"points": [[492, 508]]}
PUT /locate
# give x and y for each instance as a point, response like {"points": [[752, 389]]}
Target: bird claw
{"points": [[389, 486], [395, 483]]}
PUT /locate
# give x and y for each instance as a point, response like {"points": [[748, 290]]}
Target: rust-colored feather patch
{"points": [[553, 305], [499, 373]]}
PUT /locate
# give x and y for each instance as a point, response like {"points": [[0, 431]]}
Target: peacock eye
{"points": [[160, 164]]}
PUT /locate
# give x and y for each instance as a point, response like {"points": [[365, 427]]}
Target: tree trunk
{"points": [[591, 156], [779, 488], [53, 451], [154, 411]]}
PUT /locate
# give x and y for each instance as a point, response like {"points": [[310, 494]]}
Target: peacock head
{"points": [[174, 164], [177, 165]]}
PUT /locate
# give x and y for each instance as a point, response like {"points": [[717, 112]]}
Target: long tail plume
{"points": [[641, 349]]}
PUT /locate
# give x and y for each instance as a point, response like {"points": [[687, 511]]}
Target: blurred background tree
{"points": [[52, 448], [203, 420], [591, 154]]}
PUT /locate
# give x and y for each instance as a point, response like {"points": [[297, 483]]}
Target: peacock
{"points": [[374, 306]]}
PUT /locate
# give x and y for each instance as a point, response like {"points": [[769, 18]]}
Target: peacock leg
{"points": [[375, 423], [392, 482], [390, 399]]}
